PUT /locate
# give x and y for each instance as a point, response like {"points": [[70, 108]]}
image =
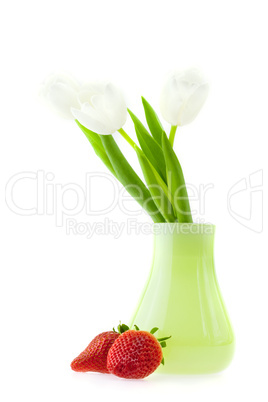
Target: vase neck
{"points": [[184, 245]]}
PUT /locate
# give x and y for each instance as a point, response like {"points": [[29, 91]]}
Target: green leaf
{"points": [[163, 339], [96, 143], [176, 182], [129, 179], [157, 187], [163, 361], [91, 135], [154, 330], [136, 327], [150, 147], [122, 328], [163, 344], [153, 121]]}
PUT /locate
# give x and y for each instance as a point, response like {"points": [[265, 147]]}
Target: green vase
{"points": [[182, 298]]}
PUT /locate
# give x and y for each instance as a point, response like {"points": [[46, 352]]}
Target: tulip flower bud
{"points": [[182, 97], [103, 108], [59, 92]]}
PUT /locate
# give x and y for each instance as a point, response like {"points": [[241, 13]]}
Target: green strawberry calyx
{"points": [[121, 328]]}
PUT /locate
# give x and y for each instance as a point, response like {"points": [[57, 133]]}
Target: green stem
{"points": [[127, 137], [129, 179], [172, 134]]}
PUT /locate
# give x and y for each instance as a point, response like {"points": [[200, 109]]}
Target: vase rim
{"points": [[184, 228], [183, 224]]}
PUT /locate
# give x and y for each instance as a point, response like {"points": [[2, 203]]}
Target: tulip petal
{"points": [[194, 104], [182, 97], [87, 121], [98, 104], [89, 90], [100, 111], [59, 93], [60, 78], [103, 108], [94, 87], [61, 99], [170, 102], [94, 113], [84, 96], [115, 106]]}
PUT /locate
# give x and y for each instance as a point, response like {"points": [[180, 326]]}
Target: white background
{"points": [[58, 290]]}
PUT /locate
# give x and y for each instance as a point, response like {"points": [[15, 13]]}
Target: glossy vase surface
{"points": [[182, 298]]}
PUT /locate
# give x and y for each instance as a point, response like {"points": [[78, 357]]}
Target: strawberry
{"points": [[135, 354], [94, 357]]}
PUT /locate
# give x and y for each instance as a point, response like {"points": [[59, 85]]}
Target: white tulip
{"points": [[182, 97], [60, 93], [102, 108]]}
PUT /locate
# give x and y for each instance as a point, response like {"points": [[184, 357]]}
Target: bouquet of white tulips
{"points": [[100, 110]]}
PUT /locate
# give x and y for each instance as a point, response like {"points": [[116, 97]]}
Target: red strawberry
{"points": [[94, 357], [135, 354]]}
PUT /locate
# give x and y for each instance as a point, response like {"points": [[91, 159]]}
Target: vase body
{"points": [[182, 298]]}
